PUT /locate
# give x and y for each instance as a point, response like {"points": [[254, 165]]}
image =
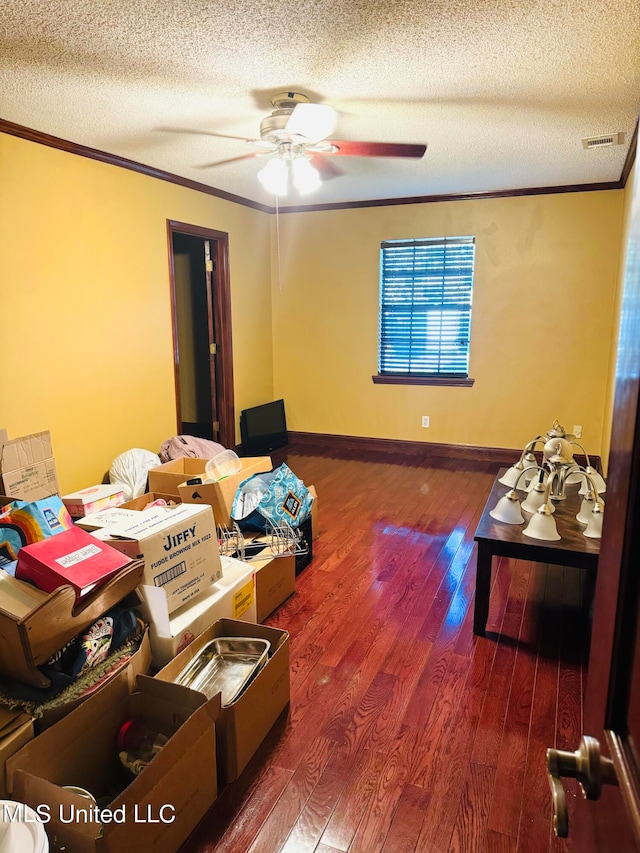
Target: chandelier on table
{"points": [[544, 484]]}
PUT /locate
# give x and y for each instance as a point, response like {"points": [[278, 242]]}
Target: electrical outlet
{"points": [[577, 430], [425, 421]]}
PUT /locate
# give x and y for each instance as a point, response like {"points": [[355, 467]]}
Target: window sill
{"points": [[408, 379]]}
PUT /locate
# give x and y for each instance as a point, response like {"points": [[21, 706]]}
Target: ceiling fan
{"points": [[296, 136]]}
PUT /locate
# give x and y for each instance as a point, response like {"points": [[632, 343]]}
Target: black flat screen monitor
{"points": [[263, 428]]}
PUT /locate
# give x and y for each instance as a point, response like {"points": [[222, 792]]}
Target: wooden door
{"points": [[213, 354], [610, 823]]}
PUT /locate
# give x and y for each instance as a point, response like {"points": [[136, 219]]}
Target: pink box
{"points": [[93, 499]]}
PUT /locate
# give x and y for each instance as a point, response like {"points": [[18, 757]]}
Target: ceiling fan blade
{"points": [[202, 133], [377, 149], [326, 168], [312, 121], [224, 162]]}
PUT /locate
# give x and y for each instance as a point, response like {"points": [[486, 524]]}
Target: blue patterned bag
{"points": [[275, 497], [23, 523]]}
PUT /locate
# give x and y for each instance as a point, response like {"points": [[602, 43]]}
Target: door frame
{"points": [[219, 284], [613, 821]]}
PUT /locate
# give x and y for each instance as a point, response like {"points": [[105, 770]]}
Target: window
{"points": [[425, 310]]}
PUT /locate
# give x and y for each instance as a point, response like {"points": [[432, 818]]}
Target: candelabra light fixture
{"points": [[289, 164], [545, 484]]}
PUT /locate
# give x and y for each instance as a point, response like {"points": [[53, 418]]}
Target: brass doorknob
{"points": [[591, 769]]}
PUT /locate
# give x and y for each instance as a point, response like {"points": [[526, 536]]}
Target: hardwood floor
{"points": [[405, 731]]}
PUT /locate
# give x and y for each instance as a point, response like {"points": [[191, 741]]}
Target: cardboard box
{"points": [[275, 582], [220, 494], [314, 513], [114, 517], [233, 597], [154, 812], [127, 513], [243, 725], [144, 500], [34, 625], [28, 467], [16, 729], [93, 499], [72, 557], [167, 477], [179, 546], [275, 575]]}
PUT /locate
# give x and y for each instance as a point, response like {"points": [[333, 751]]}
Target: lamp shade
{"points": [[597, 478], [594, 527], [530, 465], [542, 478], [312, 122], [586, 507], [574, 477], [512, 475], [305, 177], [535, 499], [274, 176], [542, 525], [508, 509]]}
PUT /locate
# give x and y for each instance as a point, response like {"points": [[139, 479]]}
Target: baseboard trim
{"points": [[361, 446], [355, 444]]}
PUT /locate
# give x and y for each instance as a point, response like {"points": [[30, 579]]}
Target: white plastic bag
{"points": [[130, 470]]}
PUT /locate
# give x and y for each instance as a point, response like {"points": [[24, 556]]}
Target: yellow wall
{"points": [[543, 319], [611, 386], [85, 305], [84, 297]]}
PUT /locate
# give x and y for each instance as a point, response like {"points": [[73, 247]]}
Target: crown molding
{"points": [[114, 160]]}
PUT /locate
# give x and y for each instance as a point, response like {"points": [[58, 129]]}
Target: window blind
{"points": [[425, 306]]}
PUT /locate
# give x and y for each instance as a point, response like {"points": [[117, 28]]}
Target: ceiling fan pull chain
{"points": [[278, 246]]}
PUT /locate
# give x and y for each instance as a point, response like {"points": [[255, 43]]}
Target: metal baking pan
{"points": [[225, 665]]}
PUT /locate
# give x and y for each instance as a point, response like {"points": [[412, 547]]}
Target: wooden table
{"points": [[507, 540]]}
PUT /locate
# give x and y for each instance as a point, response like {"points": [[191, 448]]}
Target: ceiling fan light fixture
{"points": [[274, 176], [311, 122], [305, 178]]}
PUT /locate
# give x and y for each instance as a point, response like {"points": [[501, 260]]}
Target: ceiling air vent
{"points": [[604, 141]]}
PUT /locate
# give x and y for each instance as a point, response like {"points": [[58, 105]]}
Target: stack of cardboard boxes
{"points": [[208, 746], [187, 593], [28, 467]]}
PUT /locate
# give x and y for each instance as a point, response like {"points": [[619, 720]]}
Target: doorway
{"points": [[607, 819], [201, 321]]}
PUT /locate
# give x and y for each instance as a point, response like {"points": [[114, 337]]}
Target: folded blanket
{"points": [[84, 661]]}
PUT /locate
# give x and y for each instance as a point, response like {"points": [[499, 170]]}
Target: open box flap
{"points": [[42, 753], [82, 750], [27, 450], [50, 802], [157, 608], [11, 720], [177, 694], [112, 519]]}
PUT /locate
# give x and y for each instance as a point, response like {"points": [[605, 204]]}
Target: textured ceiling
{"points": [[502, 92]]}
